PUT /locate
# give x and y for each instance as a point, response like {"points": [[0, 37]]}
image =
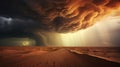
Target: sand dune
{"points": [[58, 58]]}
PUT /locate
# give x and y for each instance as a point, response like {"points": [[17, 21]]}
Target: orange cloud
{"points": [[69, 15]]}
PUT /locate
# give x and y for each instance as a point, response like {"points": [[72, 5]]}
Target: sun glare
{"points": [[26, 43]]}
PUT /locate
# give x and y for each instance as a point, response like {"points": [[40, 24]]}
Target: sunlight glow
{"points": [[101, 34], [26, 43]]}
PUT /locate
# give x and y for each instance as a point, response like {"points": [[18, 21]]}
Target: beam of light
{"points": [[107, 31], [73, 39], [101, 34]]}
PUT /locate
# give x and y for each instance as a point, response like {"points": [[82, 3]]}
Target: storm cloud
{"points": [[61, 15], [68, 15], [16, 25], [13, 29]]}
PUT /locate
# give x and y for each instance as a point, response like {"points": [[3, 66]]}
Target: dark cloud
{"points": [[17, 25], [68, 15], [19, 29], [51, 15], [60, 15]]}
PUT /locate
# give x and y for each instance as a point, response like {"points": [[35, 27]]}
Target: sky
{"points": [[104, 33], [60, 23]]}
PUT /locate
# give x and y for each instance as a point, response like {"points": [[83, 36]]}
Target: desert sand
{"points": [[52, 57]]}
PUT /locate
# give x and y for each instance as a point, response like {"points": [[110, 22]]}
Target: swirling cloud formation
{"points": [[69, 15]]}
